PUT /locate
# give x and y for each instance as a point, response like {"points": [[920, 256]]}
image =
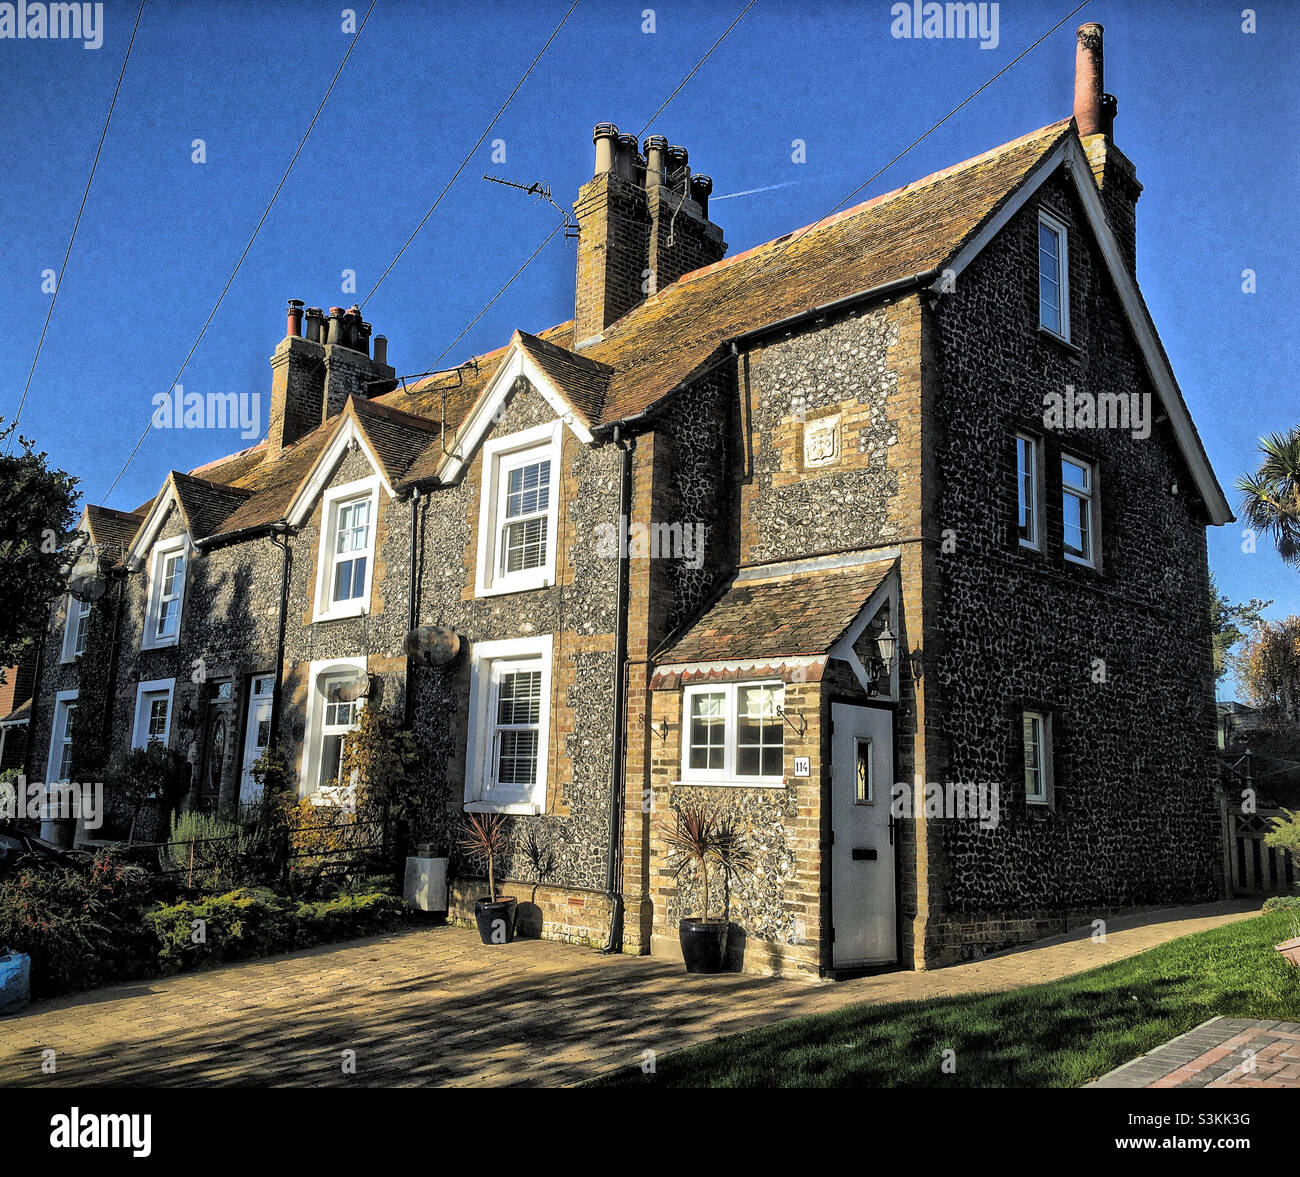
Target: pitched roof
{"points": [[583, 380], [20, 714], [663, 341], [206, 505], [112, 531], [794, 614], [677, 333]]}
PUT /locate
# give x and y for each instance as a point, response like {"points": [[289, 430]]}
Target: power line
{"points": [[693, 72], [921, 138], [469, 155], [58, 286], [216, 306], [433, 368], [695, 69]]}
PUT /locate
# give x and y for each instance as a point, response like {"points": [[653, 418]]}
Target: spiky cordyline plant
{"points": [[699, 835], [1270, 497], [485, 840]]}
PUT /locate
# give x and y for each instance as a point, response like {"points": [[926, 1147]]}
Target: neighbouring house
{"points": [[1235, 722], [887, 537], [16, 686]]}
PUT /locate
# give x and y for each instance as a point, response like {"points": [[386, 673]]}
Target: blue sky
{"points": [[1206, 112]]}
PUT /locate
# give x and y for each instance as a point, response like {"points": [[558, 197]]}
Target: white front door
{"points": [[257, 734], [862, 855]]}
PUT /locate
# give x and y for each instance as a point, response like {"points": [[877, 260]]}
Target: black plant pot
{"points": [[496, 921], [704, 944]]}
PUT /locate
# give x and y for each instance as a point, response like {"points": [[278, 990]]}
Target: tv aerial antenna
{"points": [[541, 192]]}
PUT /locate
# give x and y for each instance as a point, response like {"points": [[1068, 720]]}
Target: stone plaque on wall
{"points": [[821, 441]]}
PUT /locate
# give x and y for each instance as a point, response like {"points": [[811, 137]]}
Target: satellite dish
{"points": [[87, 588], [345, 687], [432, 645]]}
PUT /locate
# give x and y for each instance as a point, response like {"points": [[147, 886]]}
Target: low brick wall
{"points": [[546, 913], [958, 939]]}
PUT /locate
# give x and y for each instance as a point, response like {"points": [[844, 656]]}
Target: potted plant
{"points": [[485, 840], [700, 838], [1290, 949]]}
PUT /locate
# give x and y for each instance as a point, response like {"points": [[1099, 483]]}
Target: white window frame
{"points": [[144, 692], [332, 500], [728, 774], [1035, 470], [60, 734], [482, 795], [1087, 497], [76, 612], [1044, 768], [177, 545], [543, 443], [309, 766], [1057, 226]]}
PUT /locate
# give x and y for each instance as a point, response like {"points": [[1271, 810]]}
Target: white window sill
{"points": [[758, 782], [526, 808], [500, 589], [1030, 547], [159, 644], [339, 612], [1082, 563], [1057, 337]]}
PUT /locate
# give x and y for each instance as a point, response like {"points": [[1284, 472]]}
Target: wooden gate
{"points": [[1257, 869]]}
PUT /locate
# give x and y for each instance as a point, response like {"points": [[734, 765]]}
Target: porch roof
{"points": [[777, 616]]}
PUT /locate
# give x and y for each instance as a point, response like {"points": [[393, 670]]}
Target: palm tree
{"points": [[1270, 498]]}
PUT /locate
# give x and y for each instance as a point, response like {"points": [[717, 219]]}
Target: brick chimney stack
{"points": [[313, 372], [1094, 119], [643, 223]]}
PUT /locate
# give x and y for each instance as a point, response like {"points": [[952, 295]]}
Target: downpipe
{"points": [[618, 758]]}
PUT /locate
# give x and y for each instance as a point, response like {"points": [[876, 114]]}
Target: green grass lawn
{"points": [[1060, 1034]]}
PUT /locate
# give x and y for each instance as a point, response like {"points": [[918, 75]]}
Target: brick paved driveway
{"points": [[1222, 1052], [435, 1007]]}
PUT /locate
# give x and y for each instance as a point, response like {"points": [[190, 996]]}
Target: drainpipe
{"points": [[36, 694], [110, 695], [614, 859], [279, 537], [412, 611]]}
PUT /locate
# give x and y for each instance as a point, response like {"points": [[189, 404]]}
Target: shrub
{"points": [[81, 926], [1285, 835], [348, 916], [151, 773], [218, 847], [248, 921], [1282, 903]]}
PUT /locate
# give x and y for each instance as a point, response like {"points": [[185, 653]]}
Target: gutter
{"points": [[618, 758]]}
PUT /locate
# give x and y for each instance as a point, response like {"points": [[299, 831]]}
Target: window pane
{"points": [[525, 545], [528, 489], [1026, 471], [1077, 522], [331, 758], [708, 731], [517, 757], [1049, 278], [1033, 732], [864, 791], [519, 699], [1074, 474], [760, 733], [166, 619]]}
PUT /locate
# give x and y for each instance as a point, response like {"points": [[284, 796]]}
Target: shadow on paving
{"points": [[448, 1025]]}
